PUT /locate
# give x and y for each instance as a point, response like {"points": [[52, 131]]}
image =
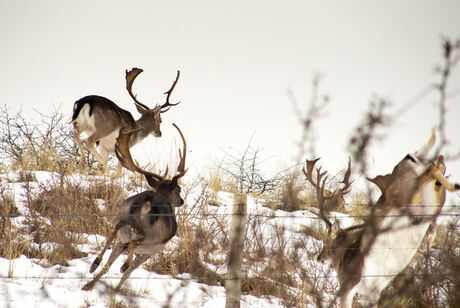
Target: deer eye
{"points": [[409, 157], [437, 183]]}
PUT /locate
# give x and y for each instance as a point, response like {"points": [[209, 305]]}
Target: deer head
{"points": [[169, 188], [145, 111], [334, 231]]}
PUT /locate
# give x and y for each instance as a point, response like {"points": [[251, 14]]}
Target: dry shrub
{"points": [[48, 145], [359, 207], [61, 214], [274, 263], [290, 193], [9, 248]]}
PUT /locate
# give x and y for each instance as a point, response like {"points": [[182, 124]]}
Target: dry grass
{"points": [[9, 248], [60, 214]]}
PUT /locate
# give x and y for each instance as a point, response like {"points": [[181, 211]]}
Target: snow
{"points": [[28, 282], [24, 283]]}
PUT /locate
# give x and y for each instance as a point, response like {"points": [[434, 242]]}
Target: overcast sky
{"points": [[237, 60]]}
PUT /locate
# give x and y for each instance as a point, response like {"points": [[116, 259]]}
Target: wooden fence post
{"points": [[235, 253]]}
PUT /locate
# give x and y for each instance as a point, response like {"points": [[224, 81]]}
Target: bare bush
{"points": [[242, 169], [48, 145]]}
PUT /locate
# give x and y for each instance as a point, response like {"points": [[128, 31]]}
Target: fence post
{"points": [[235, 253]]}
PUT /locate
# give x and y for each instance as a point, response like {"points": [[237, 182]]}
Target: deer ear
{"points": [[382, 181], [145, 209], [140, 109], [151, 180], [173, 183]]}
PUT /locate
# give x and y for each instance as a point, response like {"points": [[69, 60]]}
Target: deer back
{"points": [[150, 214], [97, 113]]}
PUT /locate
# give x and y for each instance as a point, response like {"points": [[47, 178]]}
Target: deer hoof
{"points": [[124, 267], [95, 264], [88, 286]]}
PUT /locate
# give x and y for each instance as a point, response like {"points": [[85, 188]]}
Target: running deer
{"points": [[146, 221], [101, 119], [366, 257]]}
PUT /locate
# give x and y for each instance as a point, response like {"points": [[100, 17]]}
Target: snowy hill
{"points": [[34, 282]]}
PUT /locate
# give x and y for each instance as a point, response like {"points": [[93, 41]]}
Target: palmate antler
{"points": [[131, 76], [124, 156], [319, 185]]}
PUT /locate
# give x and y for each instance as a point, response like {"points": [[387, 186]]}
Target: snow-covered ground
{"points": [[27, 283]]}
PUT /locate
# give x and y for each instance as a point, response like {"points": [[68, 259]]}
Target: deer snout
{"points": [[156, 134], [180, 202], [176, 200]]}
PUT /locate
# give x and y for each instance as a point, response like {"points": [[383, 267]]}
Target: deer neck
{"points": [[138, 136]]}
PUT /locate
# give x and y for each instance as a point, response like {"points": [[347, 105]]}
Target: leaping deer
{"points": [[367, 257], [101, 119], [146, 221]]}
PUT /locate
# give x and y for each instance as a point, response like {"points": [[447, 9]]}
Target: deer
{"points": [[146, 221], [101, 119], [368, 256]]}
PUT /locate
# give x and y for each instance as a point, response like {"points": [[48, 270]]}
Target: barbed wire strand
{"points": [[187, 279], [224, 214]]}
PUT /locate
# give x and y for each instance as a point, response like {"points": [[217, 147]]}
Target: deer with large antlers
{"points": [[146, 221], [368, 256], [101, 119]]}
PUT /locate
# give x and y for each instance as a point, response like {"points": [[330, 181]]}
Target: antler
{"points": [[168, 94], [181, 167], [130, 77], [346, 179], [124, 156], [319, 186]]}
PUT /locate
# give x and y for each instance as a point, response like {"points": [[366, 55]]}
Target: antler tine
{"points": [[182, 154], [124, 156], [130, 77], [346, 179], [168, 94]]}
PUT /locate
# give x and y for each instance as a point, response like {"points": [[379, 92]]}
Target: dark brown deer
{"points": [[101, 119], [367, 257], [146, 221]]}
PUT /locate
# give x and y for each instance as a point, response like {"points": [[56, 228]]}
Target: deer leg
{"points": [[129, 261], [90, 144], [138, 261], [76, 134], [98, 259], [139, 233], [117, 251], [104, 155]]}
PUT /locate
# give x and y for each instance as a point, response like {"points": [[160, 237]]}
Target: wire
{"points": [[186, 279], [222, 215]]}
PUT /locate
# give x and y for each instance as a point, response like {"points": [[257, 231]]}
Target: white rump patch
{"points": [[84, 121]]}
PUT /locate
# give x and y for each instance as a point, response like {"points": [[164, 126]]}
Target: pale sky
{"points": [[237, 61]]}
